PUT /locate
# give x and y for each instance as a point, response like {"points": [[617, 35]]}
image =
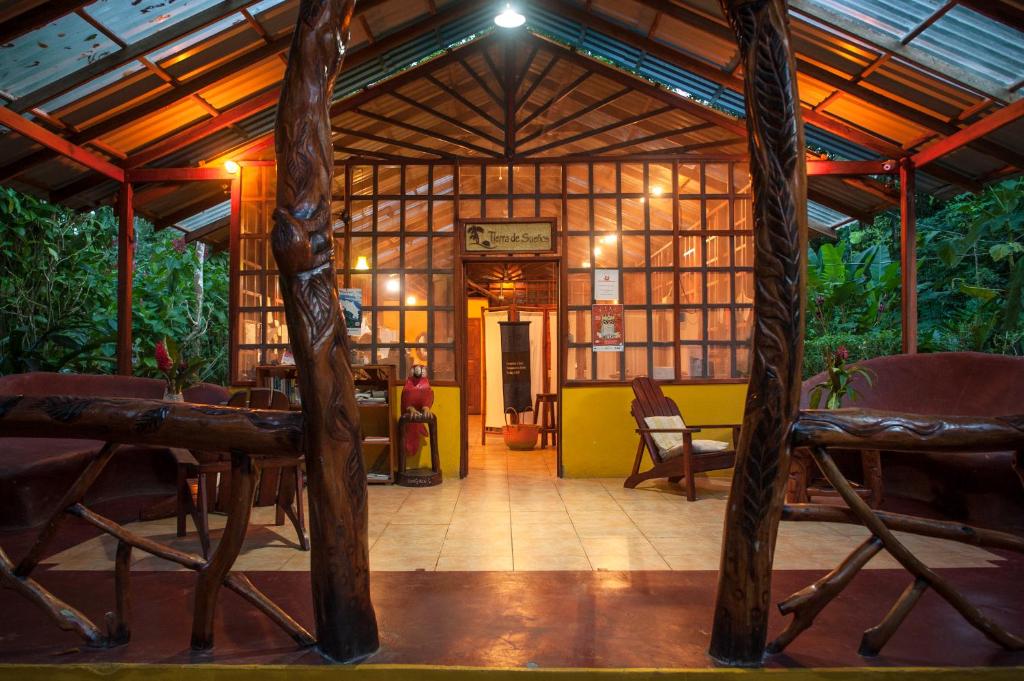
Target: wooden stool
{"points": [[418, 477], [545, 414]]}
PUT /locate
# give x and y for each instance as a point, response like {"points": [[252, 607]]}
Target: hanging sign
{"points": [[606, 284], [515, 365], [508, 237], [607, 328]]}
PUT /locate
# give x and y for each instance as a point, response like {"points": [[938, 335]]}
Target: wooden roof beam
{"points": [[650, 138], [456, 95], [597, 131], [562, 94], [552, 62], [427, 133], [462, 125], [391, 142], [576, 115], [59, 145], [985, 126]]}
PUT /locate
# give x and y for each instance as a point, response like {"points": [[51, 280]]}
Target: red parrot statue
{"points": [[417, 397]]}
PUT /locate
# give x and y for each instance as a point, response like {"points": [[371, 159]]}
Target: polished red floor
{"points": [[547, 619]]}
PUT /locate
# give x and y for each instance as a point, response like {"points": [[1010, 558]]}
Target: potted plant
{"points": [[838, 383], [177, 370]]}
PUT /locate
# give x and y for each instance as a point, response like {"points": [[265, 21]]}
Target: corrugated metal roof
{"points": [[221, 211]]}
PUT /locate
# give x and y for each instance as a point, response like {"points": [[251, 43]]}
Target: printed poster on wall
{"points": [[352, 306], [608, 328], [606, 284]]}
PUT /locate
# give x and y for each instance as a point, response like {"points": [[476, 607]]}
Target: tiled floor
{"points": [[512, 513]]}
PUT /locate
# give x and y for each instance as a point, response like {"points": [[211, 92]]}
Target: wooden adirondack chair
{"points": [[650, 401]]}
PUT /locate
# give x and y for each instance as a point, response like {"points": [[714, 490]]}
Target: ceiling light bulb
{"points": [[393, 286], [410, 300], [597, 251], [509, 18], [657, 191], [362, 263], [231, 167]]}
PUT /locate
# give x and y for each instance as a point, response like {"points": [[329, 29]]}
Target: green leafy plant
{"points": [[838, 383], [178, 370]]}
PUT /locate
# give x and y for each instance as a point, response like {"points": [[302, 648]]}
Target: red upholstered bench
{"points": [[34, 472], [979, 488]]}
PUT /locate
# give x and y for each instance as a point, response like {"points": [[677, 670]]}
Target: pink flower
{"points": [[842, 354], [163, 360], [179, 245]]}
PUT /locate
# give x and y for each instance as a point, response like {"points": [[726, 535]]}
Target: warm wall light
{"points": [[657, 191], [597, 251], [231, 167], [362, 263], [509, 18], [585, 263], [410, 300]]}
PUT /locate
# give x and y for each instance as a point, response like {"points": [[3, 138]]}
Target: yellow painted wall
{"points": [[597, 428], [475, 307], [447, 408]]}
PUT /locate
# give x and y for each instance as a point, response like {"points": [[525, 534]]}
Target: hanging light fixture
{"points": [[362, 263], [231, 167], [509, 18]]}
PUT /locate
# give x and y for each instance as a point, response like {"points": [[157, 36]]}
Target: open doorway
{"points": [[510, 290]]}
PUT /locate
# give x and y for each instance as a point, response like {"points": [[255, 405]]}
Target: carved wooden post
{"points": [[762, 462], [303, 244]]}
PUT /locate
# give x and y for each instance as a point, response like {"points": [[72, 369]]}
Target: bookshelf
{"points": [[374, 392]]}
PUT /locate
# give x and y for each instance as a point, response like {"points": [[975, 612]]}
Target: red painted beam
{"points": [[852, 168], [42, 136], [139, 175], [987, 125]]}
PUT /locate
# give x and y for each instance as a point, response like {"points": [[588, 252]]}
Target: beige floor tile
{"points": [[555, 516], [502, 562], [495, 545], [692, 561], [525, 547], [640, 560], [536, 563]]}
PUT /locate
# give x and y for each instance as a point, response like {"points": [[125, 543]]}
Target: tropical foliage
{"points": [[58, 292], [970, 280]]}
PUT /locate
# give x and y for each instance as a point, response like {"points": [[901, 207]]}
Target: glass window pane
{"points": [[659, 176], [718, 287], [719, 362], [691, 361], [469, 179], [661, 250], [691, 288], [361, 213], [661, 214], [742, 362], [443, 290], [415, 294], [632, 178], [443, 252], [661, 325], [443, 365], [389, 216], [744, 250], [718, 251], [604, 178], [253, 253], [691, 324], [579, 365], [389, 179], [415, 326], [389, 252], [744, 287], [497, 208], [691, 251], [416, 252], [607, 366], [551, 208], [636, 362], [664, 367], [606, 252], [497, 179], [443, 215], [634, 288], [578, 178], [605, 215], [634, 251], [524, 208], [579, 215], [740, 178], [389, 291], [362, 179], [415, 216], [444, 180], [579, 288], [633, 217], [416, 181], [636, 326], [444, 327], [364, 282], [744, 323], [689, 214], [689, 178], [524, 179], [250, 290], [550, 179], [469, 209], [742, 218], [360, 247], [579, 326], [579, 251], [716, 178], [719, 324], [718, 214], [662, 288], [250, 331]]}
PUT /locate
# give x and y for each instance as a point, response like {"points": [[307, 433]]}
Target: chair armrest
{"points": [[668, 430], [710, 426], [184, 456]]}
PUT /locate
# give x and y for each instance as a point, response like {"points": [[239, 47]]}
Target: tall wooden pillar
{"points": [[908, 254], [125, 274], [775, 139]]}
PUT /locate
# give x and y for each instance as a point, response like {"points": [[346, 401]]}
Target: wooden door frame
{"points": [[556, 256]]}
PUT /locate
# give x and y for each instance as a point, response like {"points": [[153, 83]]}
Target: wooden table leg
{"points": [[244, 478]]}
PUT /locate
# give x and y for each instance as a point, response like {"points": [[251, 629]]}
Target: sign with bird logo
{"points": [[528, 236]]}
